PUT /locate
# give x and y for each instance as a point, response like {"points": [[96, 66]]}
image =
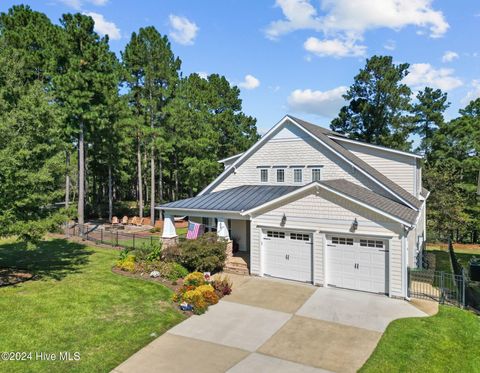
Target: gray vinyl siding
{"points": [[293, 148], [327, 213], [399, 168]]}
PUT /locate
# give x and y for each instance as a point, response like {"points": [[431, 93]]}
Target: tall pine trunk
{"points": [[140, 182], [152, 169], [160, 179], [67, 179], [81, 179], [110, 194]]}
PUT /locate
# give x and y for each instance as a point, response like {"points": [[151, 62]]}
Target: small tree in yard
{"points": [[205, 254]]}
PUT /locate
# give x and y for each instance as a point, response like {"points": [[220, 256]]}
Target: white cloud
{"points": [[78, 4], [449, 56], [390, 45], [356, 17], [104, 27], [346, 21], [202, 74], [473, 93], [184, 31], [334, 47], [250, 82], [323, 103], [423, 74], [75, 4]]}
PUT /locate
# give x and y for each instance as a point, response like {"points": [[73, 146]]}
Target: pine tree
{"points": [[378, 111]]}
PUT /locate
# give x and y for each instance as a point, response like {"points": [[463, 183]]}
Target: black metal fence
{"points": [[443, 287], [111, 236]]}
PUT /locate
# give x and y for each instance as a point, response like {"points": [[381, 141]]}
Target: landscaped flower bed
{"points": [[194, 291], [200, 291]]}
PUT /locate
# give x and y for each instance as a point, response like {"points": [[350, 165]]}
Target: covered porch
{"points": [[235, 229]]}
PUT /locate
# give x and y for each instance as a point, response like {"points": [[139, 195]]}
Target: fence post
{"points": [[117, 237], [442, 287], [151, 241], [408, 282], [134, 241], [101, 236], [464, 302]]}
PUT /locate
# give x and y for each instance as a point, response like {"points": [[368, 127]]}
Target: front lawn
{"points": [[446, 342], [77, 305]]}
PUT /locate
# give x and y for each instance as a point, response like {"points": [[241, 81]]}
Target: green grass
{"points": [[77, 305], [446, 342]]}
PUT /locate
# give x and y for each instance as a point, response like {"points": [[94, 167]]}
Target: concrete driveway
{"points": [[276, 326]]}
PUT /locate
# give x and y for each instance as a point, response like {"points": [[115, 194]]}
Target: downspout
{"points": [[405, 260]]}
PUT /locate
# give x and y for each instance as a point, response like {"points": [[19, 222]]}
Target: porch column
{"points": [[222, 228], [169, 230]]}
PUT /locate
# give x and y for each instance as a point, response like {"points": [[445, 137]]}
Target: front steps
{"points": [[237, 265]]}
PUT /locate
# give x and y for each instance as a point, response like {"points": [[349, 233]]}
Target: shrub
{"points": [[194, 279], [222, 286], [127, 264], [205, 254], [210, 297], [178, 296], [148, 251], [196, 299], [171, 253], [176, 271]]}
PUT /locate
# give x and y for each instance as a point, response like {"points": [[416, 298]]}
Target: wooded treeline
{"points": [[381, 110], [83, 127]]}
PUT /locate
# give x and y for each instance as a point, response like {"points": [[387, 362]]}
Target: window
{"points": [[280, 175], [264, 175], [297, 175], [316, 174], [275, 234], [342, 241], [210, 224], [371, 243], [300, 236]]}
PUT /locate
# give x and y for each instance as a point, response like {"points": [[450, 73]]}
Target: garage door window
{"points": [[275, 234], [342, 241], [371, 243], [300, 236]]}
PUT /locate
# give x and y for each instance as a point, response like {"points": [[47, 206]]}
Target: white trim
{"points": [[229, 158], [384, 236], [408, 154], [278, 228], [318, 185], [291, 120]]}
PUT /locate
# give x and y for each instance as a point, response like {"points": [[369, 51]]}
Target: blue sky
{"points": [[298, 56]]}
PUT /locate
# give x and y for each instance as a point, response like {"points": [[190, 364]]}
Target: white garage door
{"points": [[287, 254], [357, 263]]}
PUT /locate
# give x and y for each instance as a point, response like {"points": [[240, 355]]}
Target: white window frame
{"points": [[319, 172], [283, 173], [262, 171], [295, 171]]}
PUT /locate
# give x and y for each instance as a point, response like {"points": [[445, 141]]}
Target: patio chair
{"points": [[140, 221], [115, 221], [125, 220], [134, 220]]}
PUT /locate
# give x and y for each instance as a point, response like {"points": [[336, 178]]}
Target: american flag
{"points": [[194, 230]]}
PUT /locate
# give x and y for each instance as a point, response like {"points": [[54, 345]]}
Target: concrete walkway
{"points": [[276, 326]]}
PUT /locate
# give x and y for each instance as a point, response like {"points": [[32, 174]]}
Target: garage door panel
{"points": [[357, 263], [289, 255]]}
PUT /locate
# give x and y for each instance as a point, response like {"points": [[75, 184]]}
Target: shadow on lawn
{"points": [[53, 259]]}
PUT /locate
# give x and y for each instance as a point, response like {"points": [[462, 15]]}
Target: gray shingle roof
{"points": [[238, 199], [322, 134], [372, 199]]}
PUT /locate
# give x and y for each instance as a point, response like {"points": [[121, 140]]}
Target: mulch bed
{"points": [[10, 277]]}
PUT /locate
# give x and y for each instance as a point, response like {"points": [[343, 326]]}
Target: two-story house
{"points": [[308, 204]]}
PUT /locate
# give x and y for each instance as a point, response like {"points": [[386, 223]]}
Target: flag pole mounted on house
{"points": [[195, 230]]}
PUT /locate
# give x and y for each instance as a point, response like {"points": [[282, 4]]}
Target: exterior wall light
{"points": [[284, 220], [354, 225]]}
